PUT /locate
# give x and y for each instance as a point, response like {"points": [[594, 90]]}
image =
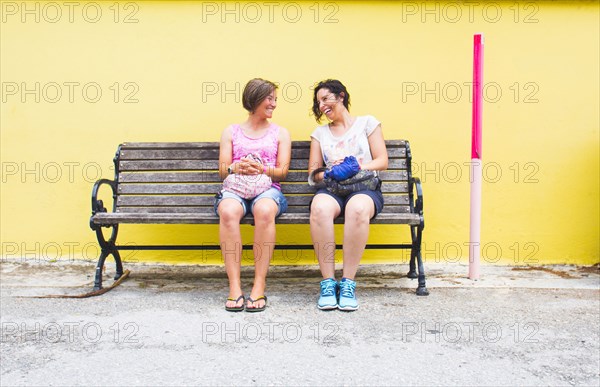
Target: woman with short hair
{"points": [[247, 150]]}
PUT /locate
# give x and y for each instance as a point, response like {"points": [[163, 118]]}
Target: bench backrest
{"points": [[184, 178]]}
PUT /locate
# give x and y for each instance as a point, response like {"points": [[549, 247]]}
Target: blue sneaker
{"points": [[328, 297], [347, 297]]}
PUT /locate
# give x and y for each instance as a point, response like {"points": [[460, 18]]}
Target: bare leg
{"points": [[324, 209], [359, 210], [230, 214], [264, 212]]}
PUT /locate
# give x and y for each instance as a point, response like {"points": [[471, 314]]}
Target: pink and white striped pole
{"points": [[476, 164]]}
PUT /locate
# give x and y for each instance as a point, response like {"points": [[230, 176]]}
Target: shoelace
{"points": [[347, 289], [328, 289]]}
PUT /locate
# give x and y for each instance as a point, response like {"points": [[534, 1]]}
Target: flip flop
{"points": [[260, 309], [236, 308]]}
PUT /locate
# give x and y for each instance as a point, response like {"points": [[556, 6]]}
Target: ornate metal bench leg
{"points": [[99, 266], [108, 248], [412, 271], [421, 289], [118, 263]]}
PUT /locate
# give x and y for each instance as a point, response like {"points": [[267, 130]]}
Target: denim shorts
{"points": [[376, 196], [248, 204]]}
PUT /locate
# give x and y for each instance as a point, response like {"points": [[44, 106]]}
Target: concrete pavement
{"points": [[165, 325]]}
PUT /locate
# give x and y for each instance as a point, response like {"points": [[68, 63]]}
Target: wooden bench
{"points": [[176, 183]]}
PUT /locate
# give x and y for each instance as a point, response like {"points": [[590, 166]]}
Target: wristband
{"points": [[265, 169]]}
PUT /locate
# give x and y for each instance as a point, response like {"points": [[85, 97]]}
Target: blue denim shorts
{"points": [[376, 196], [248, 204]]}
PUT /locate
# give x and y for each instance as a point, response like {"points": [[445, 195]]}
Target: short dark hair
{"points": [[337, 88], [255, 91]]}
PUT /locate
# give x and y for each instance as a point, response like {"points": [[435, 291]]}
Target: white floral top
{"points": [[352, 143]]}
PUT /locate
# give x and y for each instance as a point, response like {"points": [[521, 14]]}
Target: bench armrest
{"points": [[418, 205], [98, 205]]}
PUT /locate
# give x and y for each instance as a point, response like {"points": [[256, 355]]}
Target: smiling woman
{"points": [[345, 146], [255, 151]]}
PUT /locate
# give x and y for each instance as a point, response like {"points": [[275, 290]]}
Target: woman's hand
{"points": [[248, 166], [345, 170]]}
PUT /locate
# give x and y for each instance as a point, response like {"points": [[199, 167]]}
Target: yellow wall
{"points": [[173, 71]]}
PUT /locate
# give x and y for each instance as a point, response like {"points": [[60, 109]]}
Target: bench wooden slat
{"points": [[211, 177], [388, 187], [208, 209], [169, 165], [387, 209], [304, 200], [212, 188], [208, 200], [168, 177], [167, 189], [201, 201], [204, 145], [382, 218], [212, 154], [213, 165], [189, 189], [156, 200], [170, 154], [170, 145], [105, 218], [167, 210], [293, 200]]}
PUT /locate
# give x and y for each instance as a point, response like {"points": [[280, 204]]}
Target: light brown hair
{"points": [[255, 91]]}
